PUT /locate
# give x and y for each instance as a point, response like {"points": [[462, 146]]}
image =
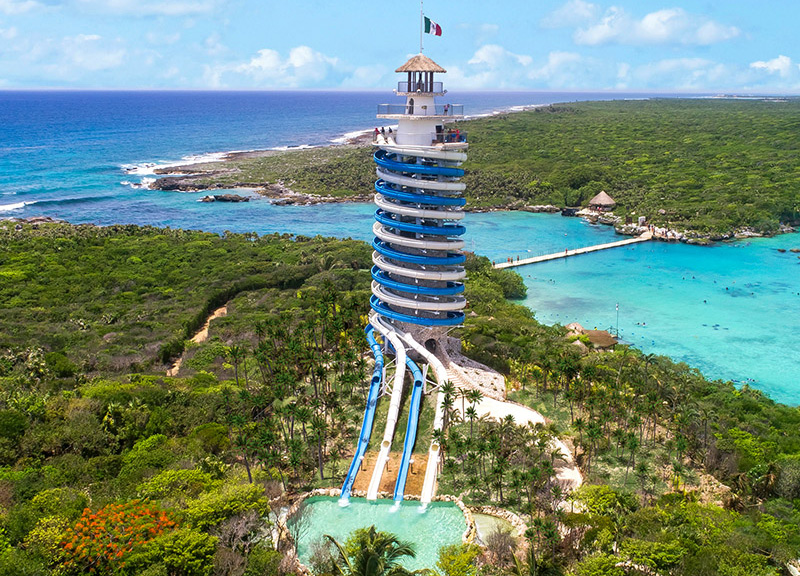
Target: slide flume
{"points": [[411, 430], [369, 415], [394, 407]]}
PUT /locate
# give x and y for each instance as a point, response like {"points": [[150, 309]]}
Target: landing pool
{"points": [[441, 524]]}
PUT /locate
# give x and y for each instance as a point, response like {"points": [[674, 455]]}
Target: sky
{"points": [[731, 46]]}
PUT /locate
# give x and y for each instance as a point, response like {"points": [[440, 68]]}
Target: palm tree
{"points": [[236, 353], [474, 396], [471, 414], [368, 552], [448, 390], [580, 425]]}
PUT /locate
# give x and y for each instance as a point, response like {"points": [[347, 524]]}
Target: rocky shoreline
{"points": [[198, 178]]}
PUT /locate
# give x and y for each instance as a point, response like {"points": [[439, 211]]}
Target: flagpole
{"points": [[421, 26]]}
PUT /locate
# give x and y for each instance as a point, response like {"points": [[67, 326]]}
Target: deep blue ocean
{"points": [[729, 310]]}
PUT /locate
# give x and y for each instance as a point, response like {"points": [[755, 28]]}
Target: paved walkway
{"points": [[523, 261]]}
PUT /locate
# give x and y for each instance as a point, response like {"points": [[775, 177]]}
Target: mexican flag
{"points": [[432, 27]]}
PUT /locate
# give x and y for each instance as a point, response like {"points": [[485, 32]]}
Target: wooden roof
{"points": [[601, 338], [602, 199], [420, 63]]}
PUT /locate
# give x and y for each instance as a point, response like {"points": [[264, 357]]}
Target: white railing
{"points": [[421, 87], [416, 110]]}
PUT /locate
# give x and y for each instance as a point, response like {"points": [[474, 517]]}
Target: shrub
{"points": [[60, 365], [458, 560], [65, 502], [176, 484], [183, 552], [212, 437], [213, 507], [45, 540], [599, 565], [12, 425], [103, 541], [146, 454], [15, 562], [263, 560]]}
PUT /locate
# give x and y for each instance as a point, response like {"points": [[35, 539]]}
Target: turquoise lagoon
{"points": [[441, 524], [731, 310]]}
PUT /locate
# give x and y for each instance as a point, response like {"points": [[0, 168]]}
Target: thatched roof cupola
{"points": [[421, 63], [420, 70]]}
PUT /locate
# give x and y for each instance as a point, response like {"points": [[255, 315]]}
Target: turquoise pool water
{"points": [[441, 524], [487, 524]]}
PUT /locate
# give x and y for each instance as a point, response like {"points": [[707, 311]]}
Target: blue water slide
{"points": [[411, 430], [446, 230], [382, 278], [452, 258], [369, 413], [450, 319], [383, 187], [382, 159]]}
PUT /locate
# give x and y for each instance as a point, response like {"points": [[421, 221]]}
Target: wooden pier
{"points": [[566, 253]]}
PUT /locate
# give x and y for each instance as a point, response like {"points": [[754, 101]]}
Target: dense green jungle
{"points": [[107, 466], [712, 166]]}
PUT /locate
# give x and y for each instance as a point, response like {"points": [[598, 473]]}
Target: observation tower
{"points": [[418, 262], [418, 272]]}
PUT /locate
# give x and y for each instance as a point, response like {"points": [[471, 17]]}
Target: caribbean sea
{"points": [[729, 310]]}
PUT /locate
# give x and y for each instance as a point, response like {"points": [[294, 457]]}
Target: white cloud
{"points": [[376, 76], [303, 68], [697, 74], [214, 46], [782, 65], [17, 6], [667, 26], [494, 67], [151, 7], [558, 63], [92, 52], [611, 26], [163, 39], [494, 56], [8, 33], [572, 13]]}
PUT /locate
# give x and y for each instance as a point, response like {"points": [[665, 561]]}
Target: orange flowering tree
{"points": [[101, 542]]}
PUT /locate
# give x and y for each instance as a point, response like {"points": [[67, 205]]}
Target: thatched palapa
{"points": [[420, 63], [602, 200]]}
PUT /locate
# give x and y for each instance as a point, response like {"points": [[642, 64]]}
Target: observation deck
{"points": [[413, 111], [424, 87]]}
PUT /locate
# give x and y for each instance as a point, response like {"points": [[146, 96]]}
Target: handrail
{"points": [[388, 161], [421, 110], [449, 318], [448, 137], [422, 87]]}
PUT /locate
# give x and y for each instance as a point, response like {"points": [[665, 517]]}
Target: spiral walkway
{"points": [[418, 260]]}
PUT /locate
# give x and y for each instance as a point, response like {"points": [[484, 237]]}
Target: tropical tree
{"points": [[368, 552]]}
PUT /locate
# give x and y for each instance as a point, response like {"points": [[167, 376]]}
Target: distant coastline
{"points": [[503, 178]]}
